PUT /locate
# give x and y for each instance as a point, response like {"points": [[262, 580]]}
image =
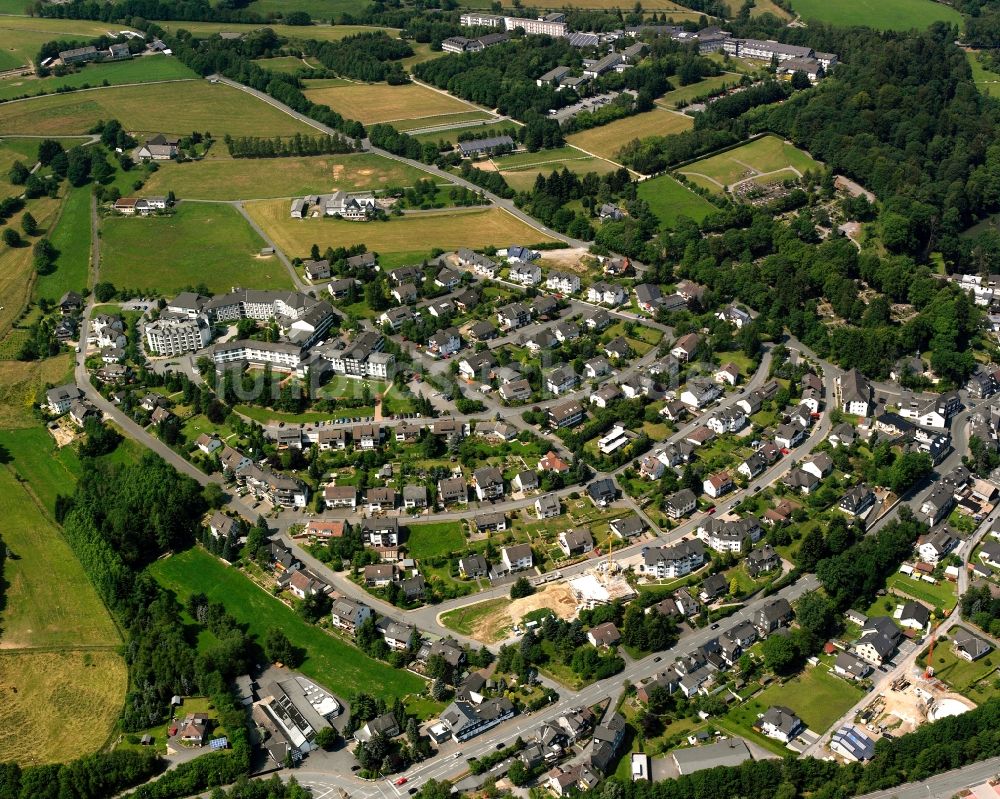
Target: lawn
{"points": [[71, 237], [762, 156], [692, 90], [410, 237], [210, 244], [607, 140], [435, 539], [987, 82], [464, 620], [670, 200], [178, 107], [49, 601], [59, 705], [335, 664], [815, 696], [941, 595], [380, 102], [240, 178], [136, 70], [528, 160], [22, 37], [879, 14], [959, 673]]}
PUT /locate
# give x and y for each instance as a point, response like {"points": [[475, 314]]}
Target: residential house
{"points": [[681, 503], [685, 347], [857, 501], [517, 557], [488, 483], [781, 724], [547, 506], [604, 635], [855, 393], [718, 484], [348, 614]]}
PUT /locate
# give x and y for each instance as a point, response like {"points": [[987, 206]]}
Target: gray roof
{"points": [[731, 752]]}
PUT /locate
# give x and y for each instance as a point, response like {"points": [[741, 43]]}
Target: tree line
{"points": [[297, 145]]}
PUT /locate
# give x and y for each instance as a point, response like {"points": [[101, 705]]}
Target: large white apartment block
{"points": [[174, 335]]}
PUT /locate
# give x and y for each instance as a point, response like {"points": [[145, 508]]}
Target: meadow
{"points": [[17, 274], [435, 539], [769, 154], [405, 239], [178, 107], [670, 200], [379, 102], [878, 14], [451, 135], [987, 82], [692, 90], [136, 70], [438, 120], [71, 237], [240, 178], [334, 663], [199, 243], [466, 619], [607, 140], [323, 33], [286, 64], [65, 704], [22, 37]]}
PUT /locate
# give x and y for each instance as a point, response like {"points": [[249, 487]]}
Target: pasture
{"points": [[879, 14], [34, 458], [769, 155], [379, 102], [670, 200], [405, 239], [22, 37], [137, 70], [330, 660], [210, 244], [71, 236], [684, 94], [607, 140], [65, 706], [240, 178], [178, 107]]}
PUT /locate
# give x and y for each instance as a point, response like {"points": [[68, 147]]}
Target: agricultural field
{"points": [[401, 240], [137, 70], [878, 14], [675, 11], [199, 243], [318, 9], [178, 107], [22, 37], [35, 459], [65, 706], [768, 156], [435, 539], [240, 178], [329, 660], [607, 140], [987, 82], [670, 200], [379, 102], [71, 237], [685, 94]]}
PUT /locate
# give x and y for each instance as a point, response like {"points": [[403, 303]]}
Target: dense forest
{"points": [[370, 57]]}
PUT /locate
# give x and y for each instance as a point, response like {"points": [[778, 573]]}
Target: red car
{"points": [[401, 781], [784, 450], [711, 510]]}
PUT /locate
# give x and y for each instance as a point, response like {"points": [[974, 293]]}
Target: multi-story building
{"points": [[173, 334], [536, 27]]}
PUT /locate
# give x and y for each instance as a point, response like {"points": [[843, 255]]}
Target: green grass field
{"points": [[319, 32], [46, 469], [21, 37], [670, 200], [408, 237], [941, 595], [451, 134], [17, 273], [959, 673], [240, 178], [987, 82], [210, 244], [456, 118], [464, 620], [137, 70], [435, 539], [879, 14], [178, 107], [318, 9], [286, 64], [686, 93], [71, 237], [524, 179], [380, 102], [759, 157], [334, 663], [607, 140]]}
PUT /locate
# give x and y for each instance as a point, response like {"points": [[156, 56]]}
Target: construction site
{"points": [[908, 702]]}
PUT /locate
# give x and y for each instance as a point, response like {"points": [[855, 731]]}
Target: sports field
{"points": [[71, 236], [401, 239], [669, 200], [200, 243], [607, 140], [179, 107], [137, 70], [331, 661], [879, 14], [240, 178], [686, 93], [22, 37], [380, 102], [765, 156]]}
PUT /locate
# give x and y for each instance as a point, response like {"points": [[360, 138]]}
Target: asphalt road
{"points": [[942, 786]]}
